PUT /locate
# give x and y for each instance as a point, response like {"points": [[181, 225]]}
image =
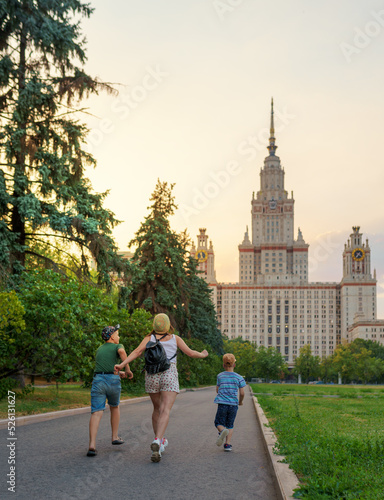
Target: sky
{"points": [[195, 81]]}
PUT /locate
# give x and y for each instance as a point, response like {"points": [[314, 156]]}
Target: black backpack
{"points": [[156, 360]]}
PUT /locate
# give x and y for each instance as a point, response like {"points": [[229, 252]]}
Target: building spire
{"points": [[272, 147]]}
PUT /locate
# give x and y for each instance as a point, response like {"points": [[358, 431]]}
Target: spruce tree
{"points": [[44, 196], [158, 269], [164, 277]]}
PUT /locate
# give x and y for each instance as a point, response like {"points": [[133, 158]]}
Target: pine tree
{"points": [[158, 264], [44, 196]]}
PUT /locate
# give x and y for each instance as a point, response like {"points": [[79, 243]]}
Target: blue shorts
{"points": [[226, 415], [105, 387]]}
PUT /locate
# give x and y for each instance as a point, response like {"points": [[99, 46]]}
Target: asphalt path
{"points": [[51, 461]]}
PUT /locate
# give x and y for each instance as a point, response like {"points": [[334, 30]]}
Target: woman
{"points": [[162, 387]]}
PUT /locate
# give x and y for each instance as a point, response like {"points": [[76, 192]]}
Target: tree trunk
{"points": [[20, 377], [18, 225]]}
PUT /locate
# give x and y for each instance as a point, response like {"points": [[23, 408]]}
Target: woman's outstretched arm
{"points": [[190, 352]]}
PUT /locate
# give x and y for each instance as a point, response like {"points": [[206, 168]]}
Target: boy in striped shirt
{"points": [[230, 394]]}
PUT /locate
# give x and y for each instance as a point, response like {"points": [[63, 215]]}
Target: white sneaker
{"points": [[164, 442], [156, 448], [223, 434]]}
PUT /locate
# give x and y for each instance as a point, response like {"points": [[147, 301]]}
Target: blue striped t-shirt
{"points": [[229, 384]]}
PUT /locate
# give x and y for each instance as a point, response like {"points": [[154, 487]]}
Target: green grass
{"points": [[46, 399], [334, 445], [320, 390]]}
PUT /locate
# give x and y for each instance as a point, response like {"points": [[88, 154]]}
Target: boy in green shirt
{"points": [[106, 385]]}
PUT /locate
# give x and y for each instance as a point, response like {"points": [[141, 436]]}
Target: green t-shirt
{"points": [[107, 357]]}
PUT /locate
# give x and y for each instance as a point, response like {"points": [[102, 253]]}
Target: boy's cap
{"points": [[108, 331], [229, 359], [161, 323]]}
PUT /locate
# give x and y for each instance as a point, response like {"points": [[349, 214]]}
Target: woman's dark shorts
{"points": [[226, 415]]}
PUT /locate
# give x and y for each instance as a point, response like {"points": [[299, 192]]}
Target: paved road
{"points": [[51, 461]]}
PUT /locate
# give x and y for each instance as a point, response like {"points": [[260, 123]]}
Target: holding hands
{"points": [[128, 374], [117, 369]]}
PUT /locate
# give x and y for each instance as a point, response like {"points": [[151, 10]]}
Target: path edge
{"points": [[286, 479]]}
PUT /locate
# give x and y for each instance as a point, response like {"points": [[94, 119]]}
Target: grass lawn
{"points": [[46, 399], [334, 444]]}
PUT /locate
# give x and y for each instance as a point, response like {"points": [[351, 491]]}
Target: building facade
{"points": [[274, 303]]}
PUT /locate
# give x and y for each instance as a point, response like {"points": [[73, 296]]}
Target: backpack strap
{"points": [[158, 340]]}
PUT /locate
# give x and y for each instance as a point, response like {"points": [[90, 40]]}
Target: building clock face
{"points": [[358, 254], [201, 255]]}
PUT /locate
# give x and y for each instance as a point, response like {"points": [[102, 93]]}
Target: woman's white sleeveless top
{"points": [[170, 347]]}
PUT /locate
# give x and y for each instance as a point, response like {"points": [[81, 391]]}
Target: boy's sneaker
{"points": [[156, 448], [227, 447], [222, 435]]}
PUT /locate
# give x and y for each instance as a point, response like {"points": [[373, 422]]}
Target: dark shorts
{"points": [[226, 415], [105, 387]]}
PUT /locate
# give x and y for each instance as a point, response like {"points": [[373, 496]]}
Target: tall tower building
{"points": [[205, 257], [273, 256], [358, 287]]}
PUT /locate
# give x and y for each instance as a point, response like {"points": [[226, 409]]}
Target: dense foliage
{"points": [[201, 320], [270, 363], [306, 364], [256, 362], [44, 197], [360, 361], [194, 372], [245, 354], [53, 326]]}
